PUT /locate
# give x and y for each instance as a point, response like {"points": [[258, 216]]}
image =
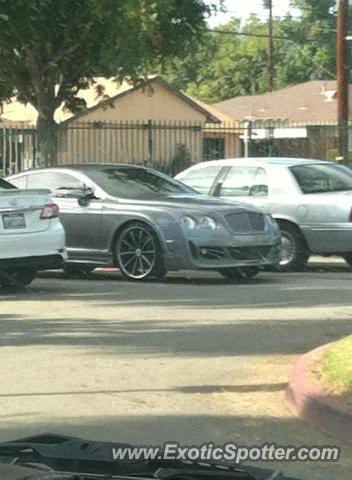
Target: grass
{"points": [[337, 364]]}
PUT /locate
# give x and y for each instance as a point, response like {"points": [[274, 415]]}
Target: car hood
{"points": [[184, 202]]}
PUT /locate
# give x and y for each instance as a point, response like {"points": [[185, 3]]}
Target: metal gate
{"points": [[18, 147]]}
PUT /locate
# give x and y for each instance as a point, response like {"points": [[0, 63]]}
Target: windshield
{"points": [[322, 178], [5, 185], [136, 183]]}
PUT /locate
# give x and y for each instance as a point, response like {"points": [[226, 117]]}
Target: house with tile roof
{"points": [[149, 123], [300, 120], [307, 103]]}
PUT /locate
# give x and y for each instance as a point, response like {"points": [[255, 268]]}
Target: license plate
{"points": [[13, 221]]}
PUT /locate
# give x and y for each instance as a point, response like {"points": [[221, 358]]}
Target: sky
{"points": [[243, 8]]}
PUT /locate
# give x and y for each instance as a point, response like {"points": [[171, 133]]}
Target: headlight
{"points": [[207, 222], [189, 223]]}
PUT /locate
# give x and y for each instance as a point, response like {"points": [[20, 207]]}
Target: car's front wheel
{"points": [[240, 273], [294, 250], [138, 253]]}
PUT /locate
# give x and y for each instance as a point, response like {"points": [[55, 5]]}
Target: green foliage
{"points": [[49, 49], [337, 364], [181, 160], [149, 31], [67, 42], [224, 65]]}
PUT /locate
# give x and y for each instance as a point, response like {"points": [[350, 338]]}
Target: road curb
{"points": [[308, 401]]}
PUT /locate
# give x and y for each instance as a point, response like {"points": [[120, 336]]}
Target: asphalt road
{"points": [[192, 359]]}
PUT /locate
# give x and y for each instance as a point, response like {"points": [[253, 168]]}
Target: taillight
{"points": [[50, 210]]}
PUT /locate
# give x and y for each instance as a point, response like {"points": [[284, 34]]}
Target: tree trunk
{"points": [[47, 141]]}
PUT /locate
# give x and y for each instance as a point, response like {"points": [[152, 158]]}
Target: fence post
{"points": [[34, 149], [3, 153], [150, 144], [247, 138]]}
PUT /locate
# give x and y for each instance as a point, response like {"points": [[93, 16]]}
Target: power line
{"points": [[260, 35]]}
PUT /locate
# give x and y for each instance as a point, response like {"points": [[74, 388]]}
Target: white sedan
{"points": [[311, 200], [31, 235]]}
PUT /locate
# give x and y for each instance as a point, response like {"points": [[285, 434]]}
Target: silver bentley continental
{"points": [[146, 223], [311, 200]]}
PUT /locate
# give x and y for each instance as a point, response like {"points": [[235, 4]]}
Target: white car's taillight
{"points": [[50, 210]]}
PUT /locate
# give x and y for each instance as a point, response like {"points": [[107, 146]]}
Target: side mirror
{"points": [[82, 194], [87, 194], [258, 191]]}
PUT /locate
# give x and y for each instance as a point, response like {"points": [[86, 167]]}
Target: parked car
{"points": [[311, 200], [50, 456], [147, 223], [31, 235]]}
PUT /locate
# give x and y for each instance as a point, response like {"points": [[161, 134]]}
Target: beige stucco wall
{"points": [[160, 105], [121, 134]]}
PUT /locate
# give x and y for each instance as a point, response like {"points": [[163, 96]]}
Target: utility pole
{"points": [[268, 4], [342, 80]]}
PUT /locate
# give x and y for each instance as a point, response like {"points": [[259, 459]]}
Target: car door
{"points": [[82, 223], [247, 184]]}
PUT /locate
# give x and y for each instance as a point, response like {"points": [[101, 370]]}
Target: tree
{"points": [[50, 49], [318, 23], [232, 60]]}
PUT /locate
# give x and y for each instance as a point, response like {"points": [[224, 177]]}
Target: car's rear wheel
{"points": [[240, 273], [138, 253], [294, 250], [19, 278], [78, 270]]}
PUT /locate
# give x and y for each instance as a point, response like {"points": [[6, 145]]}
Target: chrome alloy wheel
{"points": [[136, 252], [288, 248]]}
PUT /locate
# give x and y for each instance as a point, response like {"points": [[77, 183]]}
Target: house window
{"points": [[214, 148]]}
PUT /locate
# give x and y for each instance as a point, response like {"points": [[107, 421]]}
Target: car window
{"points": [[244, 182], [4, 185], [137, 183], [53, 181], [322, 178], [201, 179]]}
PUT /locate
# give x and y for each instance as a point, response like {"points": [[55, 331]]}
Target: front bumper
{"points": [[219, 249], [205, 257]]}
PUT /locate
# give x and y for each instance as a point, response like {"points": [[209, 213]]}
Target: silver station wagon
{"points": [[147, 223], [311, 200]]}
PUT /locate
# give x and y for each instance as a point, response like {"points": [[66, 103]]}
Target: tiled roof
{"points": [[310, 102]]}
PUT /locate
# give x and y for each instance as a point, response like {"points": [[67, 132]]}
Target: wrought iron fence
{"points": [[168, 146], [18, 149], [280, 139]]}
